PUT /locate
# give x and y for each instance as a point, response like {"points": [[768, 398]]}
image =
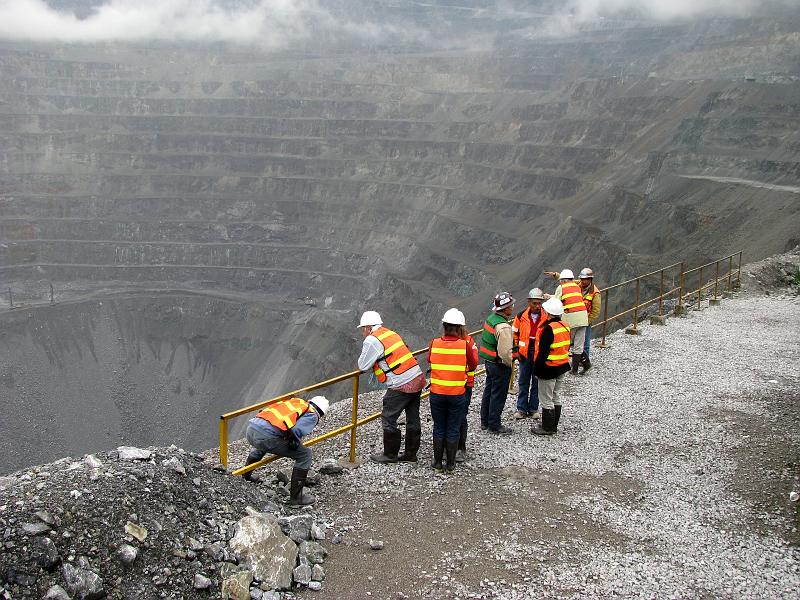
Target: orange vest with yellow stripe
{"points": [[558, 353], [395, 353], [284, 414], [448, 366], [572, 297]]}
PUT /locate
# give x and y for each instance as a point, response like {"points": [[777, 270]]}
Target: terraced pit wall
{"points": [[213, 220]]}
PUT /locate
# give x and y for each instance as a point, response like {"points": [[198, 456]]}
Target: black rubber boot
{"points": [[451, 447], [546, 426], [438, 453], [586, 364], [461, 454], [297, 497], [251, 476], [412, 446], [556, 417], [391, 446], [575, 359]]}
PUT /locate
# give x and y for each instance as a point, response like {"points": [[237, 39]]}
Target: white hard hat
{"points": [[321, 403], [370, 317], [586, 273], [566, 274], [453, 316], [536, 294], [553, 307]]}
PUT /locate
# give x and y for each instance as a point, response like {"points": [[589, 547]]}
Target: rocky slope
{"points": [[671, 474]]}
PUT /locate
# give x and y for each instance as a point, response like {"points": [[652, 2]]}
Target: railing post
{"points": [[730, 271], [354, 420], [739, 272], [605, 319], [681, 284], [715, 300], [699, 288], [661, 294], [223, 442], [10, 299], [634, 329]]}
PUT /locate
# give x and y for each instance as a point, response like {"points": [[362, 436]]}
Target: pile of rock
{"points": [[156, 522]]}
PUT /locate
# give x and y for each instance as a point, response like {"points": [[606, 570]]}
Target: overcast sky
{"points": [[275, 23]]}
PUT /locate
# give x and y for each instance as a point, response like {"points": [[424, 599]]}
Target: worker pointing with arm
{"points": [[575, 314]]}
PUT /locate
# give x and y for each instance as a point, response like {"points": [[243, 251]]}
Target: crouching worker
{"points": [[279, 429]]}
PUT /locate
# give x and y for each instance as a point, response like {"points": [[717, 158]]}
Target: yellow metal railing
{"points": [[680, 292]]}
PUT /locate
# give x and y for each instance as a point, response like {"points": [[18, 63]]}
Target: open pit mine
{"points": [[187, 227]]}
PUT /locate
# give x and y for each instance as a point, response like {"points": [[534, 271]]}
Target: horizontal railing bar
{"points": [[642, 305], [708, 264], [616, 285]]}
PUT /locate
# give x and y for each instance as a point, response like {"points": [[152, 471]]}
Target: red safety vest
{"points": [[572, 297], [471, 374], [395, 353], [558, 354], [284, 414], [587, 299], [522, 332], [448, 366]]}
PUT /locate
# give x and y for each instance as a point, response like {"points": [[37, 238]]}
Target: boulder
{"points": [[45, 553], [127, 554], [271, 555], [56, 592], [174, 464], [297, 527], [237, 587], [201, 582], [82, 583], [302, 574], [313, 552], [133, 453]]}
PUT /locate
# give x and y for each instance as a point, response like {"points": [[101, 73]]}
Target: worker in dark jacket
{"points": [[550, 363], [279, 428]]}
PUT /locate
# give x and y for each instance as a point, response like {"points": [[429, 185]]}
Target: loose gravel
{"points": [[670, 477]]}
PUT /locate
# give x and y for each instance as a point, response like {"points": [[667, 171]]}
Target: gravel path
{"points": [[670, 477]]}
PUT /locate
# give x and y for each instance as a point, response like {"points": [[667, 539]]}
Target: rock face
{"points": [[271, 555], [245, 193]]}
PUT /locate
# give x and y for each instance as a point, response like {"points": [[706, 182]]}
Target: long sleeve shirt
{"points": [[371, 351], [305, 424], [505, 343]]}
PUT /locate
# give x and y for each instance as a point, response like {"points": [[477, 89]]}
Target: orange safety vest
{"points": [[471, 374], [448, 366], [559, 349], [522, 331], [395, 353], [284, 414], [572, 297], [587, 299]]}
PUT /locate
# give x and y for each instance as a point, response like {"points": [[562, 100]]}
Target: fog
{"points": [[276, 23]]}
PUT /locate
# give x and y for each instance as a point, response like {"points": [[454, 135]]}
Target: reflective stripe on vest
{"points": [[572, 297], [558, 354], [284, 414], [395, 352], [448, 366], [588, 298]]}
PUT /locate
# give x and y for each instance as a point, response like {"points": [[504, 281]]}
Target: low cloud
{"points": [[264, 23]]}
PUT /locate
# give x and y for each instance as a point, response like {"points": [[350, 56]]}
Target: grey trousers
{"points": [[394, 403], [549, 389], [267, 444], [577, 338]]}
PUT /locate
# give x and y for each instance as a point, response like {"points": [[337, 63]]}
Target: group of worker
{"points": [[549, 337]]}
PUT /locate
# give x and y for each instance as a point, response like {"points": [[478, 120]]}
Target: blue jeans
{"points": [[528, 397], [467, 401], [588, 343], [495, 392], [447, 413], [267, 444]]}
